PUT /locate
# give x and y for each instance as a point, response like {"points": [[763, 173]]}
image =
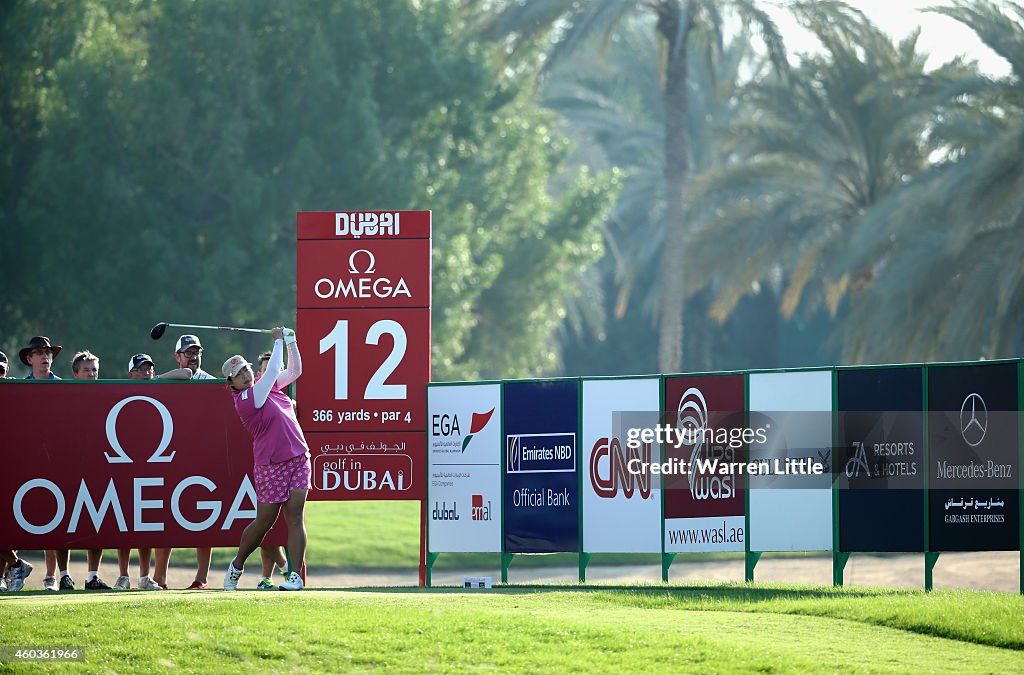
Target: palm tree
{"points": [[849, 128], [611, 107], [961, 224], [524, 24]]}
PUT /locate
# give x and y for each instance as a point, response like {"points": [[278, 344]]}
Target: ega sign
{"points": [[363, 299]]}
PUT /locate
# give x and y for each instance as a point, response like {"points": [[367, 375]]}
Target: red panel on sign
{"points": [[105, 465], [364, 225], [364, 369], [368, 465], [715, 405], [350, 274], [363, 299]]}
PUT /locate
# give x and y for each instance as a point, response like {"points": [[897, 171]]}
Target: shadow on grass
{"points": [[744, 593]]}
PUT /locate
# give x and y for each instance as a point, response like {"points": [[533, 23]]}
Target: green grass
{"points": [[650, 629]]}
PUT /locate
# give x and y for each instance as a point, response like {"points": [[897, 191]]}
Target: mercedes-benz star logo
{"points": [[973, 420]]}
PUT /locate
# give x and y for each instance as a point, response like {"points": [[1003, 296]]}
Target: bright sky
{"points": [[941, 36]]}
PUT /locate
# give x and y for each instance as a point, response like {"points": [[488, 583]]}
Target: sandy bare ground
{"points": [[992, 571]]}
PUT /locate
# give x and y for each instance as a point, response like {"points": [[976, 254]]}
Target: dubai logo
{"points": [[973, 420], [476, 425], [858, 461]]}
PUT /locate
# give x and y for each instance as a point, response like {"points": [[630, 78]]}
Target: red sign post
{"points": [[363, 300]]}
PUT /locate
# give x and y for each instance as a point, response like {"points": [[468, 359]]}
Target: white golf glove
{"points": [[289, 336]]}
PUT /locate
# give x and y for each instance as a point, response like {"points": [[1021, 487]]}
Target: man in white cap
{"points": [[5, 366], [188, 352]]}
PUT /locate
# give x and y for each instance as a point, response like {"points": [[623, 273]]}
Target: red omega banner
{"points": [[363, 326], [117, 465]]}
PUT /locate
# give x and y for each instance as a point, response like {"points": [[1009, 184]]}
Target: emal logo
{"points": [[479, 511]]}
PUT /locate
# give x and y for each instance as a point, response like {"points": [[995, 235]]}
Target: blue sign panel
{"points": [[881, 459], [541, 507], [973, 460]]}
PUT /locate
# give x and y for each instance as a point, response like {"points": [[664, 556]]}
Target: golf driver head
{"points": [[158, 331]]}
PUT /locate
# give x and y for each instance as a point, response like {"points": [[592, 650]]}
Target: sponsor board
{"points": [[880, 455], [366, 466], [363, 369], [146, 464], [621, 503], [363, 327], [464, 468], [463, 511], [541, 509], [973, 460], [787, 512], [710, 411], [349, 274]]}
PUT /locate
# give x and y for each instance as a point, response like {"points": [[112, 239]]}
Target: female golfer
{"points": [[280, 455]]}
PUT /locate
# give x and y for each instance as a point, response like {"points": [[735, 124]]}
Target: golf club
{"points": [[158, 330]]}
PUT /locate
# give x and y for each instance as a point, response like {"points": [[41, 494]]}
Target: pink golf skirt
{"points": [[274, 482]]}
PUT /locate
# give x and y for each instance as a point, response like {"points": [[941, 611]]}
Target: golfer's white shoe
{"points": [[231, 577]]}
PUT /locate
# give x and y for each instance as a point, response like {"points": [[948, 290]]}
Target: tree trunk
{"points": [[677, 168]]}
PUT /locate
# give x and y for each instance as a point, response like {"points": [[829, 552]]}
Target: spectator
{"points": [[270, 556], [140, 367], [39, 356], [17, 570], [188, 352], [5, 366], [86, 366]]}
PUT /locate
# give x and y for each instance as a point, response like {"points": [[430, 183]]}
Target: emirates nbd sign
{"points": [[541, 487]]}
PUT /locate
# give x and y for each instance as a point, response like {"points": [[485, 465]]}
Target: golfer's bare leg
{"points": [[293, 515], [254, 532]]}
